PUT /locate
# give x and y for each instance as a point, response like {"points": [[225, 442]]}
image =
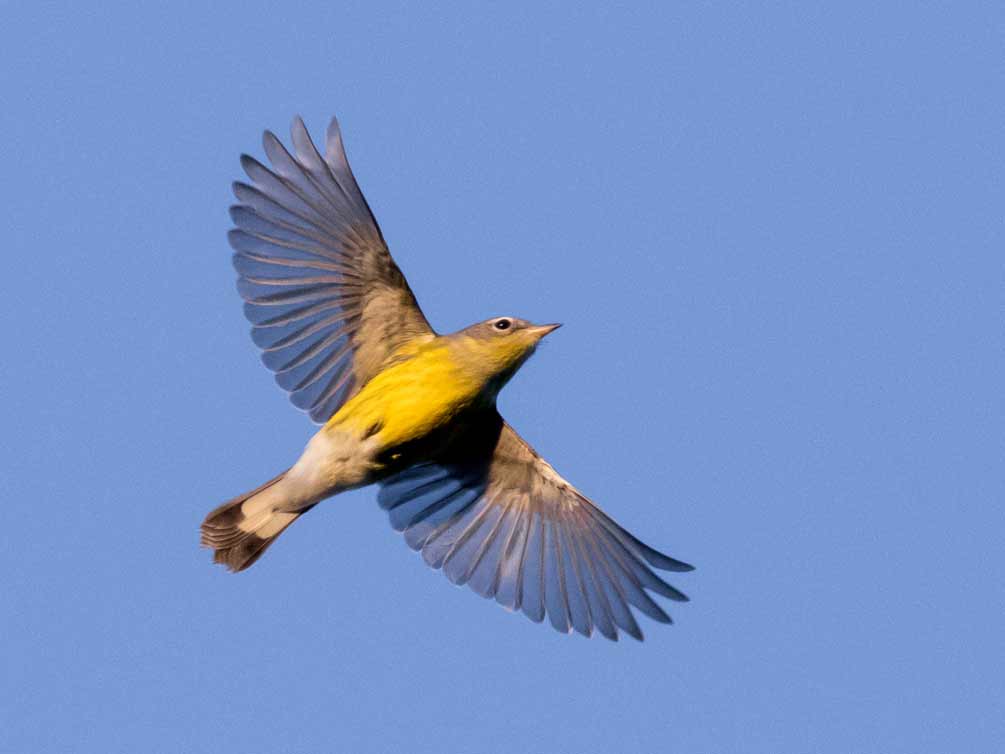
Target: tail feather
{"points": [[240, 530]]}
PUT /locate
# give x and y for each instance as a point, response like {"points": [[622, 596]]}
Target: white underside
{"points": [[331, 462]]}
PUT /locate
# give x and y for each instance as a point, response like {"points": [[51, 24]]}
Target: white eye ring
{"points": [[502, 324]]}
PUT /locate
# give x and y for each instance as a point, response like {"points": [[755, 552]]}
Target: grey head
{"points": [[508, 327], [494, 349]]}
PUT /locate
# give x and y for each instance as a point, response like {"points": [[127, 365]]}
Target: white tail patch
{"points": [[261, 516], [275, 524], [258, 507]]}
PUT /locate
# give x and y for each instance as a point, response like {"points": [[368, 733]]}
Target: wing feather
{"points": [[327, 304], [497, 517]]}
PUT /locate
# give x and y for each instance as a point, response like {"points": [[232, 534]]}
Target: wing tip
{"points": [[657, 559], [636, 634], [249, 165], [333, 126], [269, 139], [334, 147], [234, 236]]}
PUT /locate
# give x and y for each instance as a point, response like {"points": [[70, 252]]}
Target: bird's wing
{"points": [[496, 516], [327, 303]]}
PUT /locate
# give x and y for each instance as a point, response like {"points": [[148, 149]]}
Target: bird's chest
{"points": [[409, 401]]}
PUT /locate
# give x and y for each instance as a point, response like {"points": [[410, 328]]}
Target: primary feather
{"points": [[327, 303]]}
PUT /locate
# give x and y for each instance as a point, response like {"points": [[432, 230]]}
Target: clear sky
{"points": [[775, 236]]}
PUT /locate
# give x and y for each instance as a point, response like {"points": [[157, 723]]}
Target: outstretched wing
{"points": [[327, 303], [496, 516]]}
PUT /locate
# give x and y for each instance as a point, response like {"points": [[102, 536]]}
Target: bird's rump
{"points": [[495, 516], [327, 303]]}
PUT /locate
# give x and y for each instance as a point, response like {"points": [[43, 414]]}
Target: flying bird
{"points": [[410, 410]]}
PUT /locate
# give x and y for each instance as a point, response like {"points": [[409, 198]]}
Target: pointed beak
{"points": [[539, 331]]}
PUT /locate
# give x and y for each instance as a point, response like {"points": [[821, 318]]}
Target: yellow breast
{"points": [[410, 398]]}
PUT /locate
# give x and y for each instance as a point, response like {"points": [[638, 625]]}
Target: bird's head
{"points": [[496, 348]]}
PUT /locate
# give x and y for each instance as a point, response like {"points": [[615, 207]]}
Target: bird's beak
{"points": [[539, 331]]}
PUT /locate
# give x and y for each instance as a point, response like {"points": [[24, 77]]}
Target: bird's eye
{"points": [[502, 324]]}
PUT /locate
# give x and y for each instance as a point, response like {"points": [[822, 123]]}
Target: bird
{"points": [[410, 410]]}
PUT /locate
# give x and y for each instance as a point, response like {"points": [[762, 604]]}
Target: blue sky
{"points": [[775, 236]]}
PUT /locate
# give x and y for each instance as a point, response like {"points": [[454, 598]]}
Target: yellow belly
{"points": [[410, 399]]}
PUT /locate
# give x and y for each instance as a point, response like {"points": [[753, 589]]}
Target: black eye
{"points": [[502, 324]]}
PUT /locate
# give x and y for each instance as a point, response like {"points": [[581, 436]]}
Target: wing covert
{"points": [[327, 303], [501, 520]]}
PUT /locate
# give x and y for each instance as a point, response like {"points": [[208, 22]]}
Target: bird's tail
{"points": [[240, 530]]}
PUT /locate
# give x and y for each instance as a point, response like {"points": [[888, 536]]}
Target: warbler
{"points": [[410, 410]]}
